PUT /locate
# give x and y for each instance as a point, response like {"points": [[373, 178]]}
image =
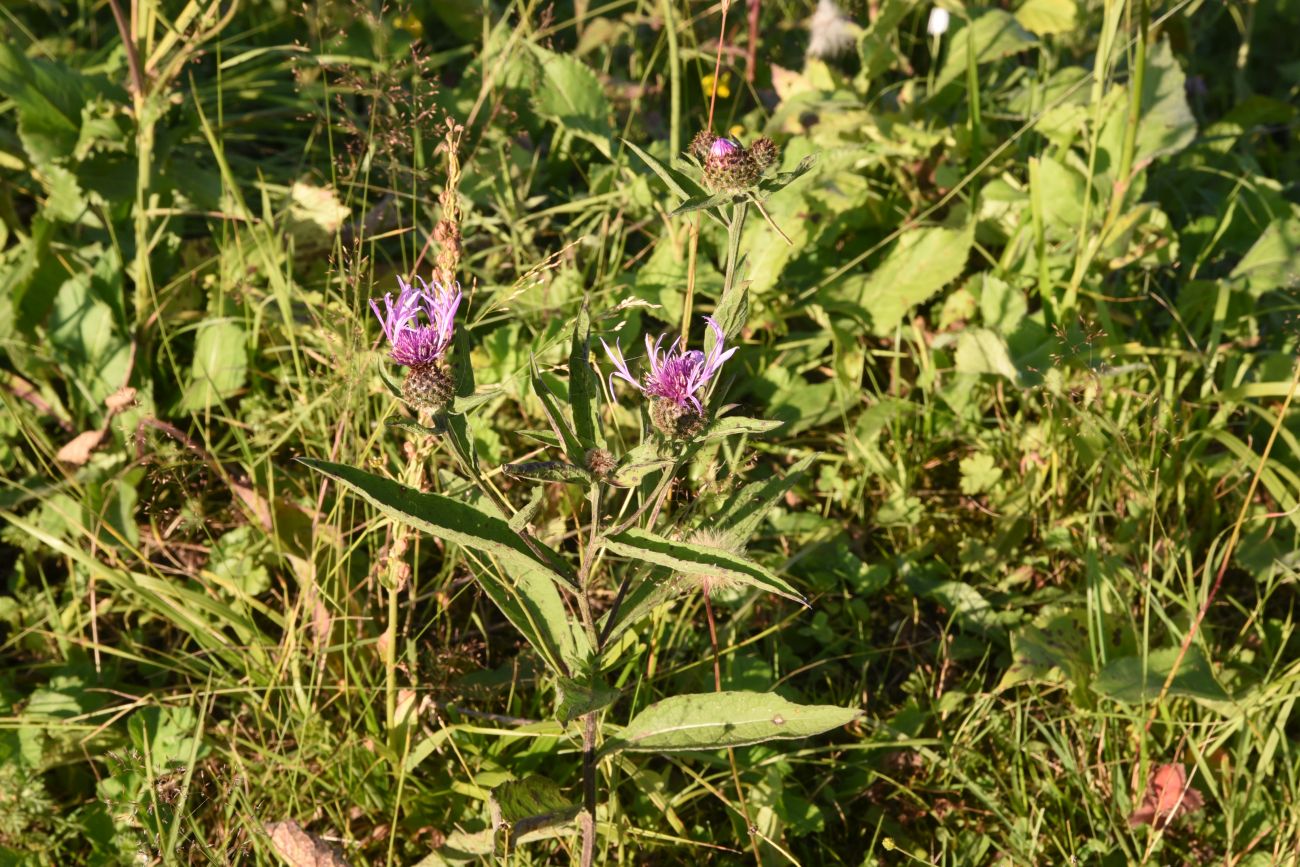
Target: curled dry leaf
{"points": [[300, 849], [1168, 795], [78, 450], [120, 399]]}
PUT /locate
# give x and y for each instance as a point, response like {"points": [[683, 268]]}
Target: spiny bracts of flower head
{"points": [[674, 381], [712, 583], [419, 326], [729, 167]]}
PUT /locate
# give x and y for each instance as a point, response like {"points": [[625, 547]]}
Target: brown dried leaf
{"points": [[300, 849], [120, 399], [77, 452], [1168, 795]]}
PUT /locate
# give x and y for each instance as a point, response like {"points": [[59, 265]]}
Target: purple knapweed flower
{"points": [[675, 380], [413, 342], [723, 148], [420, 343]]}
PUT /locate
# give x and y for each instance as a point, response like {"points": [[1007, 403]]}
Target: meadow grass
{"points": [[1036, 334]]}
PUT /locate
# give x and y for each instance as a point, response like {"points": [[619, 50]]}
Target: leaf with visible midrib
{"points": [[713, 720], [693, 559]]}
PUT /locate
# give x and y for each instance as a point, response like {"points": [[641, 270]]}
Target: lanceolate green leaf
{"points": [[524, 587], [745, 510], [736, 425], [714, 720], [572, 447], [584, 387], [675, 181], [692, 559]]}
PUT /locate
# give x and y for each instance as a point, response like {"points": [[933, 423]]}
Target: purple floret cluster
{"points": [[675, 375], [416, 341]]}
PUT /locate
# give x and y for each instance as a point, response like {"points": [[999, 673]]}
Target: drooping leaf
{"points": [[694, 559], [714, 720]]}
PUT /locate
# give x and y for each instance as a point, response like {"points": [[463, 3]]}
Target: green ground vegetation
{"points": [[1027, 320]]}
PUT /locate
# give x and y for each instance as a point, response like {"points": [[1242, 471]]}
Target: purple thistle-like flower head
{"points": [[723, 148], [674, 375], [417, 342]]}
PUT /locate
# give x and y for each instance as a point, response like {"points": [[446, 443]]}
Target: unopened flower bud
{"points": [[428, 386], [729, 167], [763, 153], [674, 420], [600, 462]]}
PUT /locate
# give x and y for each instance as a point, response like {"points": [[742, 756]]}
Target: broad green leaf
{"points": [[571, 93], [996, 34], [1047, 17], [982, 351], [220, 365], [1051, 646], [688, 558], [979, 473], [1167, 125], [50, 98], [1128, 680], [1063, 191], [923, 262], [969, 607], [1273, 262], [573, 699], [714, 720]]}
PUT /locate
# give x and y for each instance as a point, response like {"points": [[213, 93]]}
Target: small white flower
{"points": [[938, 23]]}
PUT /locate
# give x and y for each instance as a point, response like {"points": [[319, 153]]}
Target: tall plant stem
{"points": [[674, 80], [717, 63], [590, 721], [731, 753], [692, 252]]}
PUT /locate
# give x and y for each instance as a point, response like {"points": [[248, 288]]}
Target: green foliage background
{"points": [[1036, 331]]}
